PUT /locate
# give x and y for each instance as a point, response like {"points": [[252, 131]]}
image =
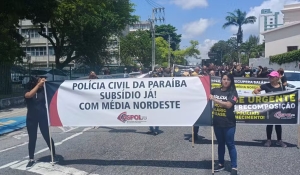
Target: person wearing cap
{"points": [[273, 86], [36, 116]]}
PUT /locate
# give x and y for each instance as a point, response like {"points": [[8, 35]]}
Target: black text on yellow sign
{"points": [[238, 86]]}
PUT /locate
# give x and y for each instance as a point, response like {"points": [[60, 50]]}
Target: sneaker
{"points": [[219, 168], [280, 143], [268, 143], [30, 164], [233, 172]]}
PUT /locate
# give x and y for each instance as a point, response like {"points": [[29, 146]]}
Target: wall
{"points": [[291, 13], [264, 62], [276, 42]]}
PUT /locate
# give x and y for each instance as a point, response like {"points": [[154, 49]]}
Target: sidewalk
{"points": [[12, 119]]}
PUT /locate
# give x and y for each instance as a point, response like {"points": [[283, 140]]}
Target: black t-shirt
{"points": [[238, 73], [263, 74], [167, 74], [36, 106], [223, 117], [248, 73], [269, 88], [283, 79]]}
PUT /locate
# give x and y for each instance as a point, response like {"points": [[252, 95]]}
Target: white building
{"points": [[35, 47], [141, 25], [269, 20], [286, 37]]}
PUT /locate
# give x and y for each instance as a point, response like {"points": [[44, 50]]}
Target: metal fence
{"points": [[14, 85]]}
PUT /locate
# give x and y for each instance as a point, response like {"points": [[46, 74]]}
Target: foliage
{"points": [[238, 18], [286, 57], [136, 47], [228, 50], [191, 51], [162, 50], [81, 29], [252, 48], [166, 30], [224, 51]]}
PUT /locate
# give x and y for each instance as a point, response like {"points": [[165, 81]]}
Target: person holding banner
{"points": [[273, 86], [153, 130], [36, 116], [224, 120]]}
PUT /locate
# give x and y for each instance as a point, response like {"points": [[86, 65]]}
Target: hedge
{"points": [[286, 57]]}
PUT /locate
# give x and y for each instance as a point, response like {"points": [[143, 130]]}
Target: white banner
{"points": [[164, 101]]}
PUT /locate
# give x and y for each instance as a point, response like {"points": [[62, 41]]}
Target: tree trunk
{"points": [[5, 79]]}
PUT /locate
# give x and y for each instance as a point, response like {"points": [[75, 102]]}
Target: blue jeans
{"points": [[226, 136], [155, 129]]}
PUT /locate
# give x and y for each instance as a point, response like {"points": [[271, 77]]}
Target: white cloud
{"points": [[204, 49], [274, 5], [190, 4], [195, 28]]}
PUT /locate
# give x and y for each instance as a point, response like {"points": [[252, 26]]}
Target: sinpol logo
{"points": [[280, 115], [123, 117]]}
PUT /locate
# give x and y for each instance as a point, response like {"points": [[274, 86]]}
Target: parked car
{"points": [[51, 74], [293, 79]]}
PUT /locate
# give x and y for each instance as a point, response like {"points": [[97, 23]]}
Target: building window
{"points": [[291, 48], [271, 19], [38, 51], [271, 22]]}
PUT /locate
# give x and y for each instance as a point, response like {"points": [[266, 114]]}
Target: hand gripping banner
{"points": [[167, 101]]}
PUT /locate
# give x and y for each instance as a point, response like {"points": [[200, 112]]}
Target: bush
{"points": [[286, 57]]}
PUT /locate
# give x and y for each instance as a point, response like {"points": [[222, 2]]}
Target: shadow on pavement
{"points": [[204, 164], [113, 130], [257, 143]]}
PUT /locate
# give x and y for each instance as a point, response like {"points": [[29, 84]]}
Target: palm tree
{"points": [[238, 18]]}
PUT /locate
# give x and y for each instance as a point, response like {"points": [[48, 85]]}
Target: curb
{"points": [[11, 124]]}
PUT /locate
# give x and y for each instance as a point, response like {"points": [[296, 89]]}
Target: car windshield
{"points": [[38, 72], [292, 76]]}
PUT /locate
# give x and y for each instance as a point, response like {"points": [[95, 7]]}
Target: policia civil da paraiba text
{"points": [[37, 116]]}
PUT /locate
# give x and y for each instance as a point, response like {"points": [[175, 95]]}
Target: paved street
{"points": [[12, 112], [117, 151]]}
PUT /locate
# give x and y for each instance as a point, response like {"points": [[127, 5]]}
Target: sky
{"points": [[202, 20]]}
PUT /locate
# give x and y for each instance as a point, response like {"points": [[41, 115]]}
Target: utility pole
{"points": [[169, 56], [156, 16], [47, 46]]}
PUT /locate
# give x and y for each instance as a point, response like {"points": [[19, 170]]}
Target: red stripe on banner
{"points": [[206, 84], [54, 117]]}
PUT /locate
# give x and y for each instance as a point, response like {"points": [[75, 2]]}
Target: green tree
{"points": [[238, 18], [191, 51], [136, 48], [162, 51], [252, 48], [166, 30], [80, 29]]}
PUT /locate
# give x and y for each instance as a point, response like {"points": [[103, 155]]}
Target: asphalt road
{"points": [[128, 151]]}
